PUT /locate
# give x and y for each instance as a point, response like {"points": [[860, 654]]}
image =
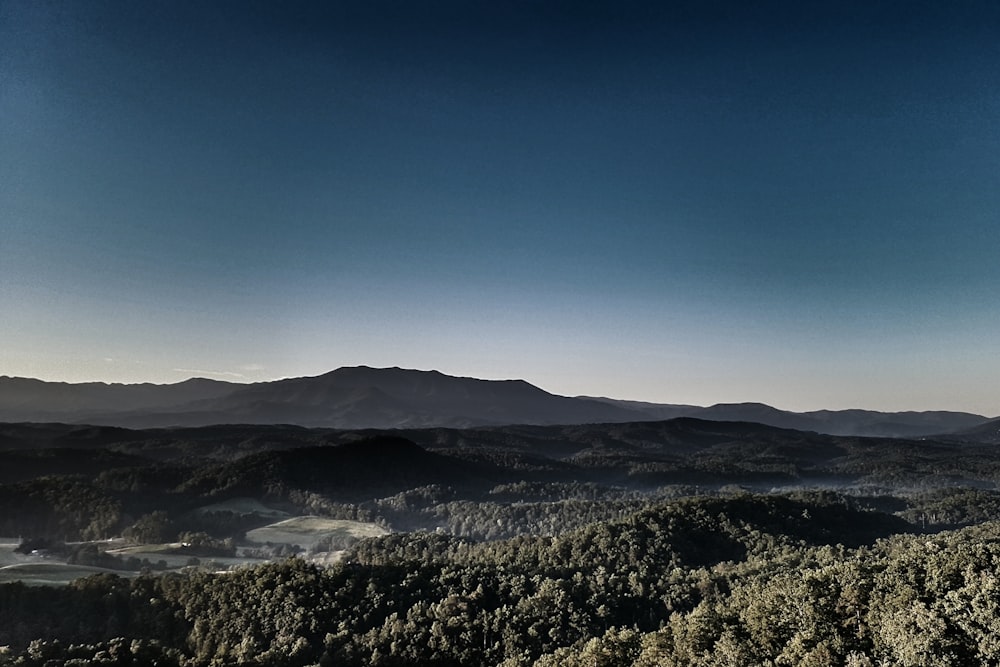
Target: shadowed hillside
{"points": [[371, 467]]}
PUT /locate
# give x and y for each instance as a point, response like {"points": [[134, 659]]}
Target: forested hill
{"points": [[987, 433], [70, 482], [226, 459], [374, 467], [683, 542], [702, 582]]}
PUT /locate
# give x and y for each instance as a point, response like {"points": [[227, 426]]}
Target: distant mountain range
{"points": [[832, 422], [363, 397]]}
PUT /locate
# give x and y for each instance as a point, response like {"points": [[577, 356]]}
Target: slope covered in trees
{"points": [[679, 542], [741, 580]]}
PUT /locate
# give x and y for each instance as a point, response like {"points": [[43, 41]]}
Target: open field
{"points": [[178, 561], [147, 550], [50, 574], [307, 531], [167, 553], [7, 555], [304, 532]]}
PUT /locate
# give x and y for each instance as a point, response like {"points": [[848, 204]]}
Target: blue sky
{"points": [[698, 202]]}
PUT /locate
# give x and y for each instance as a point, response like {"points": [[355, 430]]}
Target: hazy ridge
{"points": [[363, 397]]}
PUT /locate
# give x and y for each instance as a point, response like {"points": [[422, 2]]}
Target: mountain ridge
{"points": [[853, 421], [365, 397]]}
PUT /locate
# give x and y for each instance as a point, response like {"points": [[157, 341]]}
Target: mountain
{"points": [[385, 398], [27, 399], [354, 397], [364, 397], [832, 422]]}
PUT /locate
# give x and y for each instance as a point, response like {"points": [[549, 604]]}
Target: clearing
{"points": [[308, 531]]}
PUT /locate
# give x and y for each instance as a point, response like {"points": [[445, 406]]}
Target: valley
{"points": [[526, 544]]}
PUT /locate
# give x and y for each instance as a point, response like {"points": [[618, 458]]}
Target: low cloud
{"points": [[252, 368], [202, 372]]}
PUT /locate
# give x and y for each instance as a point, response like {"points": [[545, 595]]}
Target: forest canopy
{"points": [[550, 552]]}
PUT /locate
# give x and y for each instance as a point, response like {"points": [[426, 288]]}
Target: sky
{"points": [[795, 203]]}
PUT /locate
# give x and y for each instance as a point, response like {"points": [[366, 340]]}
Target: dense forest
{"points": [[667, 543]]}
